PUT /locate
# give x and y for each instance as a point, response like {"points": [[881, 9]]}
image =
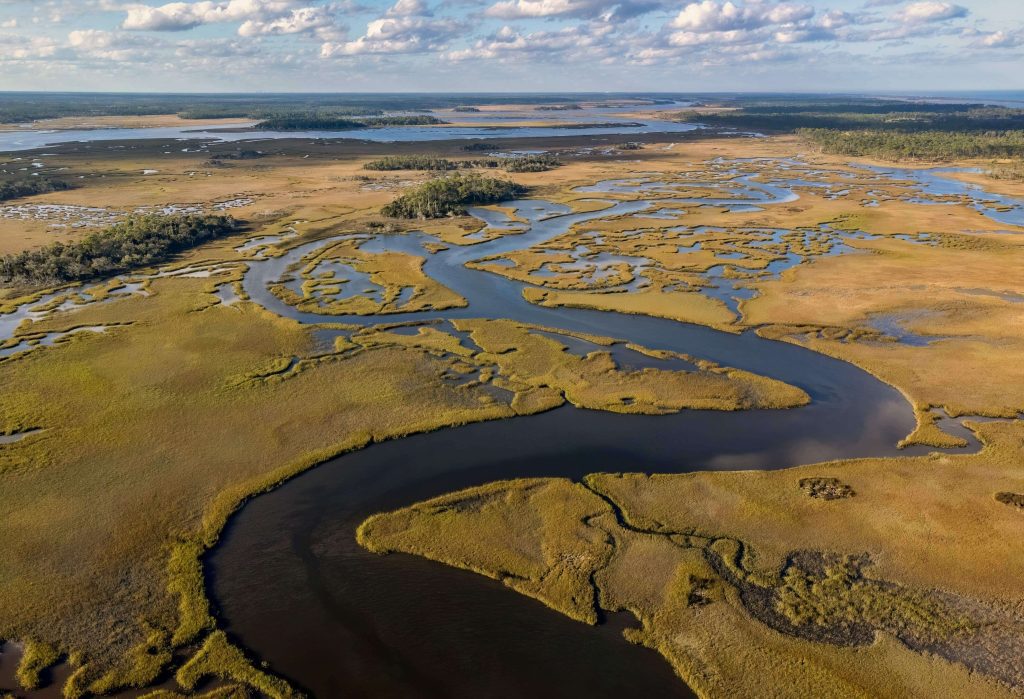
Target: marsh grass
{"points": [[746, 562], [36, 658], [124, 505], [218, 657]]}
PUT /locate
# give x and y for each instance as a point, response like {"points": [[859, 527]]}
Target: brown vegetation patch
{"points": [[1011, 499], [826, 488]]}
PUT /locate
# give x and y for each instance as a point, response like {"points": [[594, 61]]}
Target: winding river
{"points": [[291, 584]]}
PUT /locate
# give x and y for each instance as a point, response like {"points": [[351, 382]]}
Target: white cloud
{"points": [[90, 39], [317, 20], [1002, 39], [835, 19], [714, 16], [408, 8], [606, 9], [180, 16], [929, 11], [17, 47], [391, 35], [589, 41], [109, 46]]}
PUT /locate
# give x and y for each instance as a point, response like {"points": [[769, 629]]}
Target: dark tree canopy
{"points": [[449, 196], [137, 242]]}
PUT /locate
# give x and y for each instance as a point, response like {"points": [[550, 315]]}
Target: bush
{"points": [[449, 196]]}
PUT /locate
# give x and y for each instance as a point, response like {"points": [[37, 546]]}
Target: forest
{"points": [[139, 241]]}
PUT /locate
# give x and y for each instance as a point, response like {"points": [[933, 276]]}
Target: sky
{"points": [[512, 45]]}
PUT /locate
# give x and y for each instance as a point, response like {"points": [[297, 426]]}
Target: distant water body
{"points": [[999, 98], [11, 141], [476, 126]]}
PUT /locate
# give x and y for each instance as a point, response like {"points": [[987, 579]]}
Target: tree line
{"points": [[921, 145], [30, 186], [883, 117], [527, 163], [139, 241]]}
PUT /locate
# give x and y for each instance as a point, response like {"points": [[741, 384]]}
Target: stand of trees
{"points": [[449, 196], [139, 241], [30, 186], [417, 162], [525, 163], [531, 163], [920, 145], [899, 117]]}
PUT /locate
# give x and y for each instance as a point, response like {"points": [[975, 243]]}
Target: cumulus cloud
{"points": [[755, 23], [17, 47], [929, 11], [256, 16], [697, 34], [1002, 39], [315, 20], [406, 27], [109, 46], [409, 8], [713, 16], [507, 44]]}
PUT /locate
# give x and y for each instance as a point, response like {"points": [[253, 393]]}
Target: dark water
{"points": [[292, 585]]}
